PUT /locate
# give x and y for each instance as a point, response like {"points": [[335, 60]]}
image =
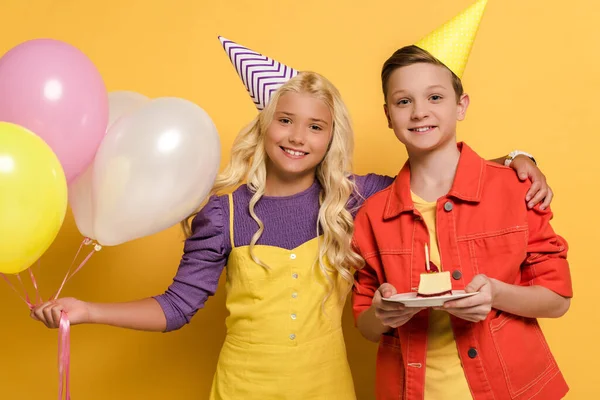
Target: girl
{"points": [[285, 237]]}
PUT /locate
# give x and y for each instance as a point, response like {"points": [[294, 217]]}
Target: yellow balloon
{"points": [[33, 197]]}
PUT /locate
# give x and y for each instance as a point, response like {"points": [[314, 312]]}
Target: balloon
{"points": [[80, 200], [54, 90], [33, 197], [154, 168], [123, 102], [80, 190]]}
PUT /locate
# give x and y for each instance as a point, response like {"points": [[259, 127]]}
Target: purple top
{"points": [[289, 222]]}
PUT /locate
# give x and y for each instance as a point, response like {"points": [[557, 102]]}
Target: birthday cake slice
{"points": [[434, 284]]}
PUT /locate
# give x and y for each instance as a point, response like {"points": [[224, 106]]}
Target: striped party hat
{"points": [[261, 75], [451, 43]]}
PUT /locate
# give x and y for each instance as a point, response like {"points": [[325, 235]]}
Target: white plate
{"points": [[411, 299]]}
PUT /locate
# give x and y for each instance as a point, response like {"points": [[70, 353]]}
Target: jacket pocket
{"points": [[522, 350], [499, 255], [390, 369]]}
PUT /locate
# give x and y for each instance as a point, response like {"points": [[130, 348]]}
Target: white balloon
{"points": [[123, 102], [120, 103], [80, 200], [154, 168]]}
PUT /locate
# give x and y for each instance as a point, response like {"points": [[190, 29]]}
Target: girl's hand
{"points": [[539, 189], [49, 312]]}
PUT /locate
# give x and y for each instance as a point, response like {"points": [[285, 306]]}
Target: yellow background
{"points": [[534, 82]]}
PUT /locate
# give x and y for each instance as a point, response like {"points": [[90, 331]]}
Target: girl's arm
{"points": [[205, 255], [539, 192], [527, 169], [143, 315]]}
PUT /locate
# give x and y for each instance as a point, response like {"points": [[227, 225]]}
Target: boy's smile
{"points": [[422, 129]]}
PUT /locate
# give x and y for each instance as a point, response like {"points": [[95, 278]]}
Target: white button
{"points": [[293, 256], [292, 336], [293, 316], [294, 295], [295, 275]]}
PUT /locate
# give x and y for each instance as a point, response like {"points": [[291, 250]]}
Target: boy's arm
{"points": [[545, 289], [367, 322], [374, 316], [366, 284], [529, 302]]}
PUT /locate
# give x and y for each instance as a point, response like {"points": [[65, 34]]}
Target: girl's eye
{"points": [[285, 120], [316, 127]]}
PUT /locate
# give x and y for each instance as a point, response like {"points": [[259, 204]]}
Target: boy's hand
{"points": [[539, 189], [49, 312], [391, 314], [475, 308]]}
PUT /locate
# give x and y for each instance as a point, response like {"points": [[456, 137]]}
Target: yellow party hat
{"points": [[451, 43]]}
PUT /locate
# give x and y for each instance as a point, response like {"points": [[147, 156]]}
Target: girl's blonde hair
{"points": [[248, 163]]}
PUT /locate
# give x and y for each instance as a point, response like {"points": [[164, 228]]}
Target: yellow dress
{"points": [[283, 341]]}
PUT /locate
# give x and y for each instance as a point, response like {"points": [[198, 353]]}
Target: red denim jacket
{"points": [[483, 227]]}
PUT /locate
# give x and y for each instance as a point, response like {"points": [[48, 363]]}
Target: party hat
{"points": [[451, 43], [261, 75]]}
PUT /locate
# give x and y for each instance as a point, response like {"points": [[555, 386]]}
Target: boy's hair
{"points": [[410, 55], [248, 163]]}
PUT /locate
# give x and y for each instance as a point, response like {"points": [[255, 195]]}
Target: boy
{"points": [[467, 216]]}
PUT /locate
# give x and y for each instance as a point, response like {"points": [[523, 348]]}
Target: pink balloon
{"points": [[54, 90]]}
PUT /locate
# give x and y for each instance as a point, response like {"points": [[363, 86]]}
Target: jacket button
{"points": [[448, 206], [472, 352], [456, 274]]}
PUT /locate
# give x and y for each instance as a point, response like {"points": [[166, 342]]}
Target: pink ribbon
{"points": [[29, 303], [69, 275], [64, 329], [38, 296], [25, 295], [64, 357], [10, 284]]}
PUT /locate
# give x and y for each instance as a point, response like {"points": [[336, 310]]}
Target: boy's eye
{"points": [[403, 102], [436, 97]]}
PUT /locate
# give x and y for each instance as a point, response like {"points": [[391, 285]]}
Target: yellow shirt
{"points": [[444, 374]]}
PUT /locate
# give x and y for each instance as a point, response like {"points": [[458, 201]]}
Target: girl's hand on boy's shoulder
{"points": [[475, 308], [539, 190]]}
